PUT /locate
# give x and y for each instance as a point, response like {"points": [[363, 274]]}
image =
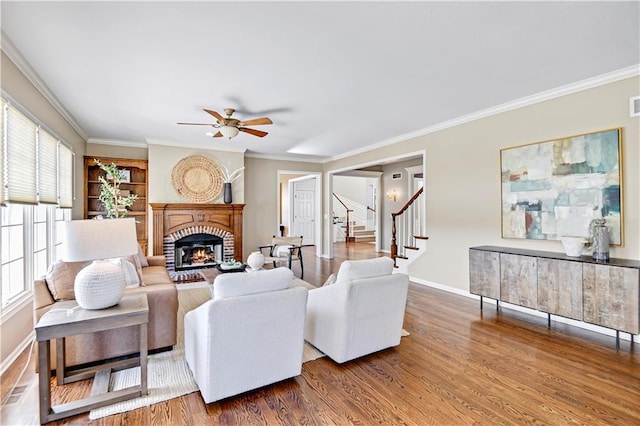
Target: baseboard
{"points": [[583, 325], [13, 356]]}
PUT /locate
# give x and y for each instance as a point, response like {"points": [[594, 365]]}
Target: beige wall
{"points": [[463, 174], [261, 194], [162, 159], [16, 85], [114, 151], [16, 328]]}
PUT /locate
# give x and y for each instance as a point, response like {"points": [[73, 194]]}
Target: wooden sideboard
{"points": [[579, 288]]}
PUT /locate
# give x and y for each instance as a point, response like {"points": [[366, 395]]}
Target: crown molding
{"points": [[21, 63], [151, 141], [275, 157], [117, 142], [589, 83]]}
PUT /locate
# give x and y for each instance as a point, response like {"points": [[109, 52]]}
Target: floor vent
{"points": [[15, 395]]}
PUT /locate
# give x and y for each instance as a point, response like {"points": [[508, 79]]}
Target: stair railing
{"points": [[371, 218], [348, 237], [406, 224]]}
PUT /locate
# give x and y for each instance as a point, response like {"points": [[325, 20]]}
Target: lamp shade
{"points": [[92, 239]]}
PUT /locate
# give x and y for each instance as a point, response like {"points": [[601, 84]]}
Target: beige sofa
{"points": [[162, 296]]}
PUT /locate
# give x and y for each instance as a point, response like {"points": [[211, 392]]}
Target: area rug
{"points": [[168, 375]]}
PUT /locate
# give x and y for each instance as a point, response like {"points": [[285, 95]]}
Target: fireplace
{"points": [[197, 251], [211, 232]]}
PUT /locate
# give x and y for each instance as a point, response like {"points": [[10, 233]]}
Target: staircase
{"points": [[407, 229], [361, 234], [358, 221]]}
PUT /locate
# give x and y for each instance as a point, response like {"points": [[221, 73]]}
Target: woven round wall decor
{"points": [[197, 178]]}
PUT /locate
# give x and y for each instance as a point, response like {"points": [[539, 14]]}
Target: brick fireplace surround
{"points": [[174, 221]]}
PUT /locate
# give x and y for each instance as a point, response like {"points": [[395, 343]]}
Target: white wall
{"points": [[351, 187]]}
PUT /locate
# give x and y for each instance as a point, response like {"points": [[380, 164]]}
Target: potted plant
{"points": [[114, 201]]}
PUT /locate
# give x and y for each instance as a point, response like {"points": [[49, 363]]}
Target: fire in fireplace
{"points": [[197, 251]]}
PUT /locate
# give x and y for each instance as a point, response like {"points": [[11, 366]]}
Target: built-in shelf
{"points": [[138, 175]]}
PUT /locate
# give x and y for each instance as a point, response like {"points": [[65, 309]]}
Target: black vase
{"points": [[227, 193]]}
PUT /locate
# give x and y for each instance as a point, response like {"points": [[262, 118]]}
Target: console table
{"points": [[604, 294], [67, 319]]}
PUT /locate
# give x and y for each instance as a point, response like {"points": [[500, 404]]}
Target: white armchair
{"points": [[249, 335], [360, 313]]}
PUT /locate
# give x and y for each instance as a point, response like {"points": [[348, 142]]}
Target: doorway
{"points": [[309, 227]]}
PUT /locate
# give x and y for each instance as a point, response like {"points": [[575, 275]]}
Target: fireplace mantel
{"points": [[171, 218]]}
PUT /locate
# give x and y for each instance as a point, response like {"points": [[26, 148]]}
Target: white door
{"points": [[304, 210]]}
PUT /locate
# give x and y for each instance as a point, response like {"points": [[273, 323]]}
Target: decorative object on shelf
{"points": [[573, 246], [197, 178], [100, 284], [599, 234], [255, 260], [556, 187], [228, 193], [114, 200], [229, 178]]}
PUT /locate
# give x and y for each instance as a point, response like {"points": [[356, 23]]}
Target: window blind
{"points": [[47, 168], [65, 173], [3, 137], [21, 158]]}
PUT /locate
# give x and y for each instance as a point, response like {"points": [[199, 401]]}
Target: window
{"points": [[13, 259], [31, 240], [36, 192]]}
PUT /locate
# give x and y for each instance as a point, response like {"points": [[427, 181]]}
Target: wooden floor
{"points": [[459, 366]]}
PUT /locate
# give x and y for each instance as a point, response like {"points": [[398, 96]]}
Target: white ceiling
{"points": [[333, 76]]}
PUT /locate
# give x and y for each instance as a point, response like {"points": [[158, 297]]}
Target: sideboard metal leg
{"points": [[631, 334], [497, 305], [548, 320], [480, 302], [617, 340]]}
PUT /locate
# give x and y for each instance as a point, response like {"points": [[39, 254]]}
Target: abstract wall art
{"points": [[555, 188]]}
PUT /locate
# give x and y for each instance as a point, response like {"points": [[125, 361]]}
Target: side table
{"points": [[67, 319]]}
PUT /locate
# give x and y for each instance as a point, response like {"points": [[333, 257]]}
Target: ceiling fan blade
{"points": [[254, 132], [215, 114], [217, 135], [198, 124], [256, 122]]}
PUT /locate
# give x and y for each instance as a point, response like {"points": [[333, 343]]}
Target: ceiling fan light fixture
{"points": [[229, 131]]}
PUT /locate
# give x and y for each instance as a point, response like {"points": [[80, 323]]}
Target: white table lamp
{"points": [[101, 284]]}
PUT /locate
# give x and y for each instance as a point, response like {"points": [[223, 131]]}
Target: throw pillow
{"points": [[359, 269], [331, 280], [240, 284], [142, 258], [282, 250], [136, 262], [129, 270], [60, 278]]}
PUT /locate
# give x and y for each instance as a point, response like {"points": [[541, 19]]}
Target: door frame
{"points": [[328, 239], [304, 174]]}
